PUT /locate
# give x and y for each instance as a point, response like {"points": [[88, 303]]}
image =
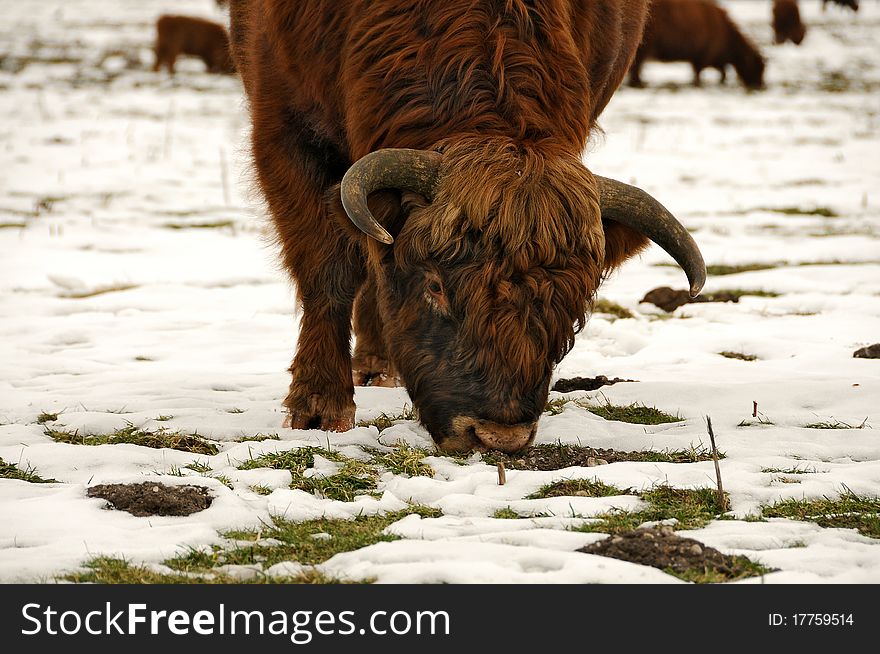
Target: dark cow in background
{"points": [[422, 166], [850, 4], [177, 35], [701, 33], [787, 25]]}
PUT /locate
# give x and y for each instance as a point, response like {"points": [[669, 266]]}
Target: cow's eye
{"points": [[435, 288]]}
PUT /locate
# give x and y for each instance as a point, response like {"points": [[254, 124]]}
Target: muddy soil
{"points": [[869, 352], [669, 299], [659, 547], [153, 499], [586, 383]]}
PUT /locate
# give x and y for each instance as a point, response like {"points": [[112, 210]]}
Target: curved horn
{"points": [[401, 168], [637, 210]]}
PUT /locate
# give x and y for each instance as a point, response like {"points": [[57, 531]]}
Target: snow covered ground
{"points": [[136, 284]]}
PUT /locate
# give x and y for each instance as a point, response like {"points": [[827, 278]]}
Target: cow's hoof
{"points": [[317, 415], [330, 423]]}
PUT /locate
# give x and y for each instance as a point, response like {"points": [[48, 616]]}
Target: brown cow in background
{"points": [[699, 32], [177, 35], [787, 25], [851, 4], [422, 163]]}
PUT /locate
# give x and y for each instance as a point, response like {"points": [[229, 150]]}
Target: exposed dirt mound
{"points": [[586, 383], [153, 499], [659, 547], [869, 352], [669, 299]]}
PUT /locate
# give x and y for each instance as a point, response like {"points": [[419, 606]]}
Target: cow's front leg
{"points": [[321, 394], [371, 365]]}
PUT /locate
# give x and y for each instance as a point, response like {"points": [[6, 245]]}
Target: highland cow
{"points": [[701, 33], [787, 25], [177, 35], [422, 166]]}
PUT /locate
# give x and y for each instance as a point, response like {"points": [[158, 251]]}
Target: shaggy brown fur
{"points": [[484, 287], [699, 32], [177, 35], [787, 25]]}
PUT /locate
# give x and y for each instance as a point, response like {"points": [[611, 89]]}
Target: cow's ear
{"points": [[621, 243]]}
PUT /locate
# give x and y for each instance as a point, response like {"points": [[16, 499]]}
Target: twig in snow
{"points": [[502, 475], [722, 500], [754, 409]]}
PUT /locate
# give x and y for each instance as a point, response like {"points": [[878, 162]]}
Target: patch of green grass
{"points": [[198, 466], [143, 358], [825, 212], [163, 418], [737, 293], [716, 270], [828, 231], [692, 508], [309, 543], [405, 460], [12, 471], [217, 224], [223, 479], [259, 437], [723, 269], [797, 470], [836, 424], [615, 521], [235, 410], [296, 460], [261, 489], [555, 456], [602, 305], [849, 511], [837, 262], [384, 421], [506, 514], [109, 570], [45, 417], [759, 419], [633, 413], [353, 479], [557, 406], [578, 488], [690, 455], [749, 517], [739, 567], [727, 354], [102, 290], [161, 438]]}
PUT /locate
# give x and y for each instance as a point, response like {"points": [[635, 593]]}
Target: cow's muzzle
{"points": [[483, 435]]}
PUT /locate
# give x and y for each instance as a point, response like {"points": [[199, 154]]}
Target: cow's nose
{"points": [[506, 438]]}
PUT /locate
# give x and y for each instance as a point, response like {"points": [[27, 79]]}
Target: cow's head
{"points": [[749, 66], [496, 254]]}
